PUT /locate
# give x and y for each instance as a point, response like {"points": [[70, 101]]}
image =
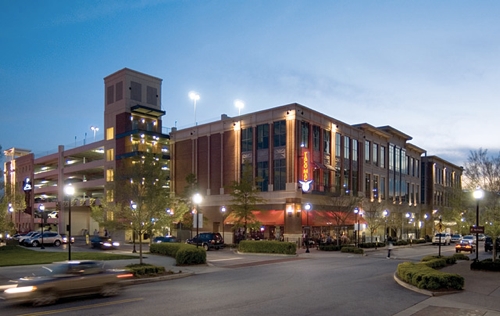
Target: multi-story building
{"points": [[132, 125]]}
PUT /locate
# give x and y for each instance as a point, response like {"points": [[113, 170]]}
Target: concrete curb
{"points": [[422, 291], [158, 279]]}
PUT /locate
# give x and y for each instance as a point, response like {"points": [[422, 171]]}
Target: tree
{"points": [[245, 198], [11, 200], [342, 207], [141, 195], [374, 216]]}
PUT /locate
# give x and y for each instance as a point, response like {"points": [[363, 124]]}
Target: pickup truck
{"points": [[67, 279]]}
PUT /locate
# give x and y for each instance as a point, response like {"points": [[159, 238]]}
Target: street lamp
{"points": [[478, 194], [41, 208], [197, 200], [440, 227], [356, 244], [307, 208], [95, 130], [239, 104], [195, 97], [407, 216], [133, 206], [385, 213], [69, 190], [223, 211], [10, 209]]}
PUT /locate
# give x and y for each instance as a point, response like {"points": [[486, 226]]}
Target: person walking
{"points": [[389, 248]]}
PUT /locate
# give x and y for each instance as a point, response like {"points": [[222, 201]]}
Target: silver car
{"points": [[49, 238]]}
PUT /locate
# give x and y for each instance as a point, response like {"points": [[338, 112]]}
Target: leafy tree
{"points": [[374, 216], [245, 198], [141, 194], [10, 198]]}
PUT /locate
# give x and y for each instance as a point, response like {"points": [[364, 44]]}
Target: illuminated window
{"points": [[110, 173], [110, 154], [110, 133], [110, 196]]}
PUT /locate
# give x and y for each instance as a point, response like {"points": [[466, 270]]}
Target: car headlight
{"points": [[106, 244], [116, 244], [22, 289]]}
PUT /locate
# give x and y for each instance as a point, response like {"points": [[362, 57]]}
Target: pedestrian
{"points": [[389, 248], [96, 232], [105, 233]]}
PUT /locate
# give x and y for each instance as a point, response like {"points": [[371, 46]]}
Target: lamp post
{"points": [[356, 244], [195, 97], [95, 130], [239, 104], [307, 207], [385, 213], [223, 211], [407, 229], [41, 208], [478, 194], [440, 227], [69, 190], [133, 206], [197, 200], [10, 209]]}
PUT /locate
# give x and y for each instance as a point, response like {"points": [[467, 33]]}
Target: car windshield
{"points": [[442, 235]]}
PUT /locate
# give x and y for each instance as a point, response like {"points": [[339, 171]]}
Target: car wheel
{"points": [[35, 243], [57, 243], [45, 298], [110, 289], [205, 246]]}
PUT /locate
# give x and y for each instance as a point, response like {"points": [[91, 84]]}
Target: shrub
{"points": [[461, 256], [352, 250], [371, 245], [167, 249], [448, 259], [425, 277], [263, 246], [189, 254], [400, 243], [486, 265], [331, 247], [141, 270]]}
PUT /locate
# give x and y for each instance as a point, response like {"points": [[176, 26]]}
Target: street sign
{"points": [[477, 229]]}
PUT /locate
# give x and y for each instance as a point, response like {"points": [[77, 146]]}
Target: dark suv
{"points": [[207, 241], [488, 244]]}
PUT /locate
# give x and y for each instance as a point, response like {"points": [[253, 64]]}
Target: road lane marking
{"points": [[62, 310], [225, 259]]}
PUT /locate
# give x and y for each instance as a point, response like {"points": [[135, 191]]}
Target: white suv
{"points": [[49, 238], [445, 239]]}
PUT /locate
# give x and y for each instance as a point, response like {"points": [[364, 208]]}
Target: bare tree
{"points": [[373, 216], [342, 207]]}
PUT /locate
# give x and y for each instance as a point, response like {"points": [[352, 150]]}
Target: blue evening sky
{"points": [[428, 68]]}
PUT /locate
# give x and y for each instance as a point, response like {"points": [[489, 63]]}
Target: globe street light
{"points": [[307, 208], [195, 97], [133, 206], [239, 104], [197, 200], [385, 213], [69, 190], [478, 194], [95, 130], [10, 209], [223, 211], [41, 209]]}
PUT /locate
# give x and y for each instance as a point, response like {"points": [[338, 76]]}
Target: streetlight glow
{"points": [[478, 194], [307, 207], [69, 190], [197, 200], [195, 97], [95, 130], [239, 104]]}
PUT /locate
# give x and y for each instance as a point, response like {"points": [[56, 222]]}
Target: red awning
{"points": [[328, 218], [272, 217]]}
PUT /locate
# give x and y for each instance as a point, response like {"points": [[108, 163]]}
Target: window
{"points": [[382, 157], [263, 136], [279, 133], [367, 151], [110, 174], [326, 180], [326, 142], [135, 91], [110, 133], [316, 138], [304, 139], [338, 148], [152, 95], [375, 154], [347, 149], [246, 139], [110, 154], [110, 94], [355, 150], [367, 186], [382, 188], [375, 187], [391, 157], [279, 170], [263, 173]]}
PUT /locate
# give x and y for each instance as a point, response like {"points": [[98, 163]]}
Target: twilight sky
{"points": [[428, 68]]}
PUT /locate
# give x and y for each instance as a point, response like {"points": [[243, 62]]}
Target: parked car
{"points": [[470, 238], [53, 214], [488, 244], [443, 238], [207, 241], [64, 279], [160, 239], [481, 237], [103, 242], [49, 238], [456, 238], [28, 235], [65, 239], [465, 245]]}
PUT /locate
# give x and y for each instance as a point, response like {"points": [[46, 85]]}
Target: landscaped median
{"points": [[425, 277], [184, 254]]}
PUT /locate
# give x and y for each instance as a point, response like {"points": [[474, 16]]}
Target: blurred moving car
{"points": [[160, 239], [207, 241], [465, 245], [65, 239], [47, 238], [456, 238], [103, 243], [488, 244], [443, 238], [481, 237], [66, 279], [470, 238]]}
